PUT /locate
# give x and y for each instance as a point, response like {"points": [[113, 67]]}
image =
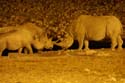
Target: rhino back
{"points": [[7, 29], [34, 29]]}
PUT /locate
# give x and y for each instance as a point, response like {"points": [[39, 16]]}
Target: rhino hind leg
{"points": [[113, 43], [120, 42]]}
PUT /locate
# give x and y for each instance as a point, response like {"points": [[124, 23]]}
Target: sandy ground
{"points": [[94, 66]]}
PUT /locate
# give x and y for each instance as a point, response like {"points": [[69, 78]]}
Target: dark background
{"points": [[55, 15]]}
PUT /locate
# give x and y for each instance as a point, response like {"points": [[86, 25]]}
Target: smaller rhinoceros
{"points": [[17, 40]]}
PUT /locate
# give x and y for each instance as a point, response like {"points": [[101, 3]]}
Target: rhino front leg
{"points": [[86, 45], [30, 49], [120, 42], [113, 43], [80, 42]]}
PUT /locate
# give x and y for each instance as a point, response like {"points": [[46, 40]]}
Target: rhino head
{"points": [[43, 42], [48, 43], [37, 44]]}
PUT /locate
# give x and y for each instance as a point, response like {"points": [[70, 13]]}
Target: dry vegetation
{"points": [[55, 15]]}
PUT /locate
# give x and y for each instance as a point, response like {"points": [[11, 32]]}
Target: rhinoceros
{"points": [[96, 28], [17, 40], [34, 30]]}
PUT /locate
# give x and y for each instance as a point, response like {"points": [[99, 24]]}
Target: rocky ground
{"points": [[94, 66]]}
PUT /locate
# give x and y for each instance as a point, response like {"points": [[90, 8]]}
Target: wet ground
{"points": [[94, 66]]}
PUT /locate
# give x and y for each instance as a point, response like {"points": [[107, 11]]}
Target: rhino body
{"points": [[17, 40], [96, 28]]}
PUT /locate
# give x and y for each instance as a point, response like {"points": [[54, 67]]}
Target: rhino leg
{"points": [[120, 42], [25, 51], [80, 41], [86, 45], [30, 49], [20, 50], [113, 43]]}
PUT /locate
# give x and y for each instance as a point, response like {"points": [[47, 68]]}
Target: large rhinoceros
{"points": [[96, 28], [17, 40]]}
